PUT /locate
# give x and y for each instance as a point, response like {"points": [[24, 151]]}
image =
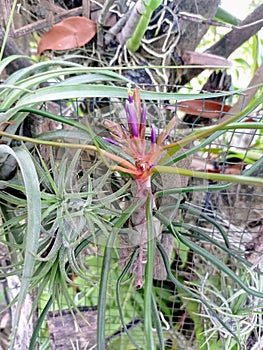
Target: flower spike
{"points": [[132, 119], [140, 158], [143, 122], [137, 103], [111, 141], [143, 116], [153, 134]]}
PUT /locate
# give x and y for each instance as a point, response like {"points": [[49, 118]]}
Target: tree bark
{"points": [[191, 32], [11, 48], [231, 41]]}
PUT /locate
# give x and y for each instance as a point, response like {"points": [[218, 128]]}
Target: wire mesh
{"points": [[237, 209]]}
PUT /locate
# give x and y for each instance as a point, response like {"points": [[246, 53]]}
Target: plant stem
{"points": [[73, 146], [105, 274], [149, 275], [256, 181]]}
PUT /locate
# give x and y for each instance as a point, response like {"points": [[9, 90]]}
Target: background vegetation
{"points": [[74, 207]]}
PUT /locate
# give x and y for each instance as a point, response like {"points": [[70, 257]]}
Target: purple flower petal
{"points": [[124, 130], [130, 98], [143, 117], [153, 135], [111, 141], [132, 119]]}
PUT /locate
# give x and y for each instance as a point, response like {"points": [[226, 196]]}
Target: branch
{"points": [[232, 40], [45, 23], [101, 23], [131, 23]]}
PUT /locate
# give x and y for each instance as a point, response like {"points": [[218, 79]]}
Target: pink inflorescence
{"points": [[132, 140]]}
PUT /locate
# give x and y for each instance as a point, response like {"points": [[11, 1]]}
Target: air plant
{"points": [[145, 156], [131, 154], [142, 160]]}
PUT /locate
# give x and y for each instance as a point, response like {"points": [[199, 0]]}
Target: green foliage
{"points": [[134, 42], [67, 222], [225, 16], [31, 231]]}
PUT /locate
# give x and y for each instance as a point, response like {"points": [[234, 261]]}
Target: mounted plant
{"points": [[140, 215]]}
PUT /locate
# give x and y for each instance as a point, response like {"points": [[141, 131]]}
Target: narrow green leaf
{"points": [[6, 61], [8, 27], [241, 179], [105, 273], [190, 292], [148, 286], [118, 294], [207, 218], [38, 68], [207, 135], [30, 179], [208, 256], [246, 125], [39, 323], [69, 91], [225, 16], [158, 324]]}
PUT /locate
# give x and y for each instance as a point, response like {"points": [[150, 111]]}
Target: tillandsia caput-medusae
{"points": [[144, 155]]}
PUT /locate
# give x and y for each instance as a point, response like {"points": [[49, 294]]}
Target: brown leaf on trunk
{"points": [[70, 33], [204, 108], [234, 169], [204, 59]]}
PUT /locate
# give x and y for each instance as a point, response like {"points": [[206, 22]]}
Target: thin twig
{"points": [[6, 8], [101, 22], [131, 23], [116, 28], [86, 8], [8, 27], [199, 19], [45, 23]]}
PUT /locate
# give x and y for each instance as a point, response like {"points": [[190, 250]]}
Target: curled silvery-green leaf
{"points": [[30, 178]]}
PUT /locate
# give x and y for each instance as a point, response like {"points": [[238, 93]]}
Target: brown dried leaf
{"points": [[204, 59], [203, 108], [234, 169], [70, 33], [4, 125]]}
